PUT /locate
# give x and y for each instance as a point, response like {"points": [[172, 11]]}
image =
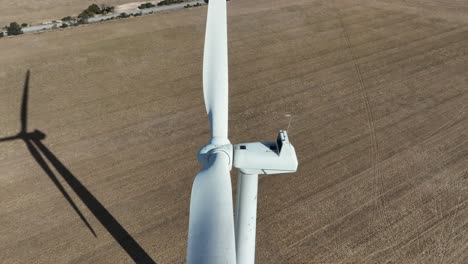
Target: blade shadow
{"points": [[125, 240], [37, 156], [41, 153], [24, 105], [27, 137], [9, 138]]}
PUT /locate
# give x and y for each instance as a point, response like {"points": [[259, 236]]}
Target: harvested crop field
{"points": [[377, 90]]}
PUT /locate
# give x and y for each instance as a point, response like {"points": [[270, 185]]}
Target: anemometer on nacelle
{"points": [[266, 157]]}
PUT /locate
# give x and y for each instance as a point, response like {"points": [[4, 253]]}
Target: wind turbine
{"points": [[214, 236]]}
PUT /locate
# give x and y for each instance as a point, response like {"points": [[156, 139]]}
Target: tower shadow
{"points": [[40, 153]]}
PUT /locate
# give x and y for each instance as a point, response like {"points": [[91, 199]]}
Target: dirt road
{"points": [[378, 93]]}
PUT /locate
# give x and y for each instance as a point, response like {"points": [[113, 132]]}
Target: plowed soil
{"points": [[378, 97]]}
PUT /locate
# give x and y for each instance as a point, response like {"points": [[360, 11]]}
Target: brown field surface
{"points": [[377, 90]]}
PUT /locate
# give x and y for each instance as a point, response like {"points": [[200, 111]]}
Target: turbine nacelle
{"points": [[36, 134], [266, 157], [273, 157]]}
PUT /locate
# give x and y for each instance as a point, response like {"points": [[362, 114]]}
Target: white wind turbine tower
{"points": [[214, 237]]}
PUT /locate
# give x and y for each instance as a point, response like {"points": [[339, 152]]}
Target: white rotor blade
{"points": [[211, 238], [215, 71]]}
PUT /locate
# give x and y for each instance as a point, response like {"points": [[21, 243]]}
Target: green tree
{"points": [[106, 8], [146, 5], [124, 15], [24, 25], [14, 29], [95, 9], [85, 14], [67, 18]]}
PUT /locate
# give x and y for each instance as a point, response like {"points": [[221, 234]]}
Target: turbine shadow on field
{"points": [[41, 153]]}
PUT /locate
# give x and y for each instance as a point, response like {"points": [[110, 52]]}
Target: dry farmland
{"points": [[377, 90]]}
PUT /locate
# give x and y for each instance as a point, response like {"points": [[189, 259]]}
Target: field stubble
{"points": [[377, 93]]}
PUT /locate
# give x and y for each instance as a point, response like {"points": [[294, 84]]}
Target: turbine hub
{"points": [[206, 152]]}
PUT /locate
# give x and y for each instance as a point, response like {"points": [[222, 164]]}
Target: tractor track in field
{"points": [[378, 179], [377, 94], [448, 240]]}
